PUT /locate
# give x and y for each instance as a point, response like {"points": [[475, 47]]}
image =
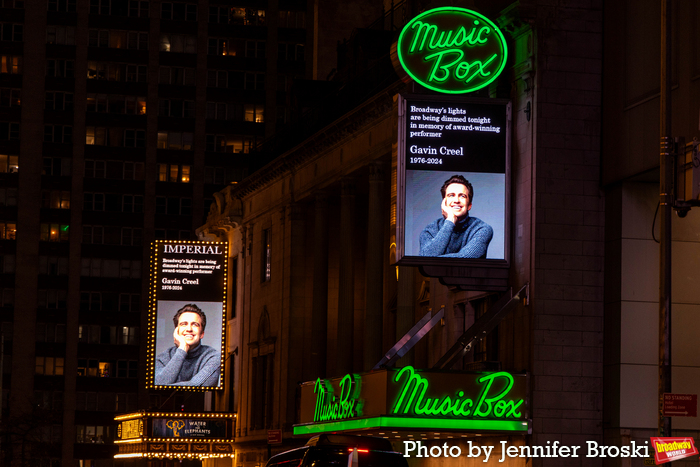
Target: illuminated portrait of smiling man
{"points": [[456, 234], [188, 362]]}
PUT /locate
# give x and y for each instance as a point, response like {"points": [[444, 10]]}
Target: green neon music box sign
{"points": [[452, 50], [415, 399]]}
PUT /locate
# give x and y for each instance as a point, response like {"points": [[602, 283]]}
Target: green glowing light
{"points": [[487, 404], [452, 50], [329, 407], [413, 423]]}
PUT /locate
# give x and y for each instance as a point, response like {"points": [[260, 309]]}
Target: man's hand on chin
{"points": [[447, 212], [180, 341]]}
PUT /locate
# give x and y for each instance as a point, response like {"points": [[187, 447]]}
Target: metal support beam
{"points": [[481, 328]]}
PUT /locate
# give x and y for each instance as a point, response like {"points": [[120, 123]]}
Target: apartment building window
{"points": [[58, 100], [11, 32], [107, 368], [133, 171], [58, 134], [98, 301], [135, 138], [9, 97], [49, 400], [178, 11], [95, 169], [54, 232], [62, 35], [94, 434], [138, 8], [51, 298], [173, 173], [229, 144], [176, 108], [172, 234], [9, 130], [225, 79], [129, 303], [7, 264], [132, 203], [57, 166], [173, 206], [246, 16], [177, 75], [62, 5], [60, 68], [50, 332], [255, 49], [93, 202], [10, 64], [261, 413], [8, 230], [175, 140], [219, 14], [255, 81], [49, 366], [254, 113], [9, 164], [116, 103], [55, 199], [266, 255], [7, 299], [100, 7], [218, 111], [111, 335], [96, 136], [53, 265], [292, 19], [123, 72], [182, 43], [8, 196], [118, 39], [290, 52], [131, 236], [93, 234]]}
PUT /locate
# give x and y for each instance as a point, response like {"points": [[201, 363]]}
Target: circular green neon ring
{"points": [[462, 11]]}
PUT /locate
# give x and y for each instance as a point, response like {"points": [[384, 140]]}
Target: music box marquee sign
{"points": [[452, 50], [410, 398]]}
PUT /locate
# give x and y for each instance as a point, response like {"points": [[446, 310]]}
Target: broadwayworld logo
{"points": [[672, 449]]}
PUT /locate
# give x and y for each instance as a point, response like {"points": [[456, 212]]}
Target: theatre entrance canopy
{"points": [[177, 436], [419, 404]]}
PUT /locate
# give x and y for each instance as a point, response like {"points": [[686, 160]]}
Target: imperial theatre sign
{"points": [[452, 50], [407, 398]]}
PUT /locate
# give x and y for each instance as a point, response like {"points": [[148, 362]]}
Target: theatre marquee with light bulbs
{"points": [[407, 400], [162, 435]]}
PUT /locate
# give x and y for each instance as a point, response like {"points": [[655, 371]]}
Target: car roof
{"points": [[364, 442]]}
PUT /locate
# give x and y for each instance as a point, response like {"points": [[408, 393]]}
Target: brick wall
{"points": [[567, 282]]}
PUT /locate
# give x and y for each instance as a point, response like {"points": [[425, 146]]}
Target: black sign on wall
{"points": [[453, 181], [187, 315]]}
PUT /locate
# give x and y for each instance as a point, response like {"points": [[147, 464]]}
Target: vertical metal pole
{"points": [[666, 211]]}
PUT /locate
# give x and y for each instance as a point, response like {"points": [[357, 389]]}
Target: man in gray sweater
{"points": [[455, 234], [188, 362]]}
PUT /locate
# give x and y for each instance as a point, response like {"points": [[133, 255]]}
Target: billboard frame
{"points": [[437, 263], [153, 301]]}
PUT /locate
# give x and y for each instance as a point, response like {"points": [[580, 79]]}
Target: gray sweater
{"points": [[468, 239], [198, 367]]}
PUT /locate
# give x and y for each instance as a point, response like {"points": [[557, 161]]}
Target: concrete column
{"points": [[375, 262], [319, 309], [405, 304], [346, 295]]}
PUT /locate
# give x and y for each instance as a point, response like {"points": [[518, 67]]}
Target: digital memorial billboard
{"points": [[453, 176], [187, 315]]}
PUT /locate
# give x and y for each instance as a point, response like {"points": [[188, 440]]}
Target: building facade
{"points": [[311, 238], [120, 120]]}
